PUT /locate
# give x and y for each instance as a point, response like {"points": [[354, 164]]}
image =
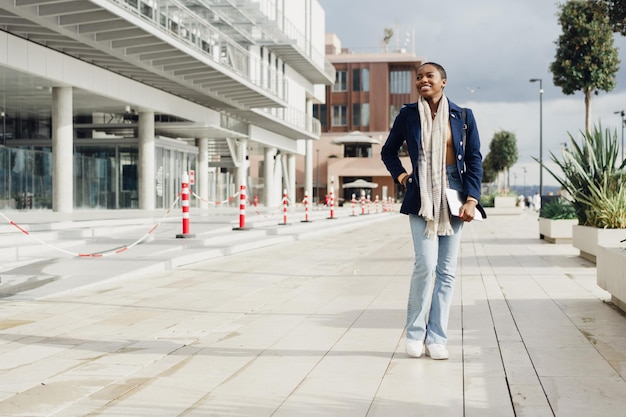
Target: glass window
{"points": [[356, 114], [340, 115], [365, 114], [319, 112], [361, 79], [356, 79], [400, 82], [357, 150], [393, 113], [341, 81], [365, 80], [361, 114]]}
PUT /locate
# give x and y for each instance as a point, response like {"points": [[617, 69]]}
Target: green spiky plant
{"points": [[558, 209], [593, 179]]}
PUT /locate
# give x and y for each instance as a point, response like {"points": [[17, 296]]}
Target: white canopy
{"points": [[360, 184], [354, 137]]}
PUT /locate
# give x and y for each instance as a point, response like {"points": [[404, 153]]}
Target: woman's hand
{"points": [[468, 210]]}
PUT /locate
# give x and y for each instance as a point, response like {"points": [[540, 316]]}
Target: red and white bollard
{"points": [[242, 208], [362, 202], [285, 205], [306, 207], [353, 202], [376, 202], [331, 203], [185, 204], [369, 204]]}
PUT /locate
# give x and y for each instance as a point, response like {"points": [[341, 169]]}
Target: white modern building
{"points": [[106, 103]]}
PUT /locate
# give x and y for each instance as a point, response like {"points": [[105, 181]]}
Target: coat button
{"points": [[460, 157], [461, 143]]}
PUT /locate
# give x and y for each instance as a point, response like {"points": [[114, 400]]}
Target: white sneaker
{"points": [[436, 351], [414, 348]]}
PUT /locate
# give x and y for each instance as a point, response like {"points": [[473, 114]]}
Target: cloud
{"points": [[490, 49]]}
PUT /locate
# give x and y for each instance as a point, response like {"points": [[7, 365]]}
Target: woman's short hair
{"points": [[441, 70]]}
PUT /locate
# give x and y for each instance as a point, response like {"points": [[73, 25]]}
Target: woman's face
{"points": [[429, 82]]}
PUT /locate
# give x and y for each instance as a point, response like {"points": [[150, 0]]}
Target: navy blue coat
{"points": [[407, 128]]}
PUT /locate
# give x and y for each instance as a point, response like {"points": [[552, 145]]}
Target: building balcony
{"points": [[163, 44], [287, 122], [259, 22]]}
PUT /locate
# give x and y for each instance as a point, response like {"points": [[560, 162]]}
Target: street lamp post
{"points": [[533, 80], [621, 113]]}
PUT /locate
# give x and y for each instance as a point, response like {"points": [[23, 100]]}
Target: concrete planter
{"points": [[587, 239], [505, 202], [556, 231], [611, 273]]}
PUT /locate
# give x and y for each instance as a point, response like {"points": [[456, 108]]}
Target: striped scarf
{"points": [[431, 169]]}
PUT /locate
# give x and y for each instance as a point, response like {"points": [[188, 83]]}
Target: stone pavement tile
{"points": [[562, 320], [420, 386], [48, 398], [482, 361], [612, 348], [528, 396], [569, 361], [109, 395], [33, 374], [540, 411], [26, 354], [553, 336], [586, 396], [346, 396], [315, 328], [487, 397]]}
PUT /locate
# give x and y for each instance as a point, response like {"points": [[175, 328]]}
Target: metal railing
{"points": [[173, 18], [295, 118]]}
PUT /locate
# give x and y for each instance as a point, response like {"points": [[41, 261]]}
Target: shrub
{"points": [[557, 209], [487, 200]]}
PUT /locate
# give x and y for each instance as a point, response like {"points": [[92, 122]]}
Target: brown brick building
{"points": [[369, 90]]}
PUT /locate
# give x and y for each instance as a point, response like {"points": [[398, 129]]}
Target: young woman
{"points": [[434, 131]]}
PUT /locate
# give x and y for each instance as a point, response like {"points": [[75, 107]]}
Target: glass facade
{"points": [[105, 175], [25, 180]]}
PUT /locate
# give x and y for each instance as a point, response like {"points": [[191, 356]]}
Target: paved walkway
{"points": [[314, 327]]}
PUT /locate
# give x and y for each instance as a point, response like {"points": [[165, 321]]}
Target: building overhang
{"points": [[189, 130], [275, 124], [292, 54], [113, 35]]}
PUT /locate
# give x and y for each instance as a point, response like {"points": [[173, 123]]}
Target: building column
{"points": [[146, 154], [62, 150], [308, 169], [241, 175], [268, 174], [291, 177], [202, 176]]}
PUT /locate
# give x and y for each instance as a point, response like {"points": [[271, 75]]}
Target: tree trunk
{"points": [[587, 108]]}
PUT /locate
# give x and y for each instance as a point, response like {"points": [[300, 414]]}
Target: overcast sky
{"points": [[490, 49]]}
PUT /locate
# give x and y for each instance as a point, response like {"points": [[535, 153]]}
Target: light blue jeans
{"points": [[432, 282]]}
